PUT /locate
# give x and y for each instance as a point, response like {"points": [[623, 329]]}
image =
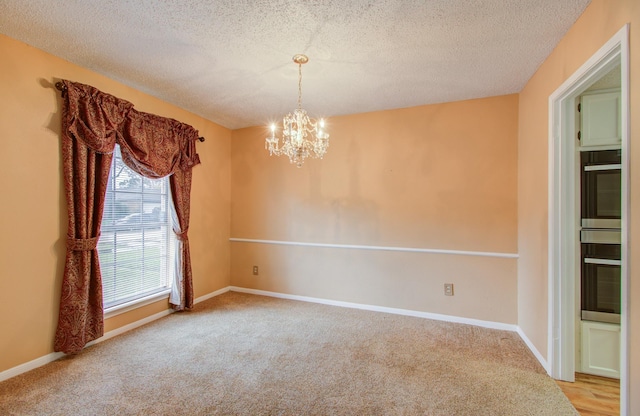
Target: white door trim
{"points": [[563, 226]]}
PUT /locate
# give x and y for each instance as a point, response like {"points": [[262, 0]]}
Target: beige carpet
{"points": [[240, 354]]}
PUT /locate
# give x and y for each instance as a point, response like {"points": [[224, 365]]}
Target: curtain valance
{"points": [[151, 145]]}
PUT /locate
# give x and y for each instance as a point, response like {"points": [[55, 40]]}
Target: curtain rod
{"points": [[63, 88]]}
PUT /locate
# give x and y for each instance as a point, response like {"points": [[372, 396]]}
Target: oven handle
{"points": [[606, 262], [600, 236], [590, 168], [608, 223]]}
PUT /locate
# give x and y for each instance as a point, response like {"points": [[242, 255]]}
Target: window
{"points": [[136, 243]]}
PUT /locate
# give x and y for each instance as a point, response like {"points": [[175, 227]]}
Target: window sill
{"points": [[135, 304]]}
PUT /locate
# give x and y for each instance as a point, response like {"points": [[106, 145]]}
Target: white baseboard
{"points": [[396, 311], [212, 294], [406, 312], [28, 366], [39, 362], [152, 318], [129, 327], [534, 350]]}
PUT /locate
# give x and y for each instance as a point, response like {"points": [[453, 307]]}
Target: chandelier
{"points": [[302, 136]]}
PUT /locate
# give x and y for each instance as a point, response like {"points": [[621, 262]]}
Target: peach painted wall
{"points": [[600, 21], [33, 212], [436, 177]]}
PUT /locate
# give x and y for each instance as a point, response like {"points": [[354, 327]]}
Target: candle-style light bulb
{"points": [[320, 132]]}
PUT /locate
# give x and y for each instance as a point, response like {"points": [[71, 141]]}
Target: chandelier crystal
{"points": [[302, 136]]}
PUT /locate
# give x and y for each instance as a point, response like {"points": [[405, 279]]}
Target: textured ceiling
{"points": [[230, 60]]}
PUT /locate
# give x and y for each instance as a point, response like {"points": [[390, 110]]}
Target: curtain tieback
{"points": [[82, 244], [181, 236]]}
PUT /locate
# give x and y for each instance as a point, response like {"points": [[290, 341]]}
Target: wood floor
{"points": [[593, 395]]}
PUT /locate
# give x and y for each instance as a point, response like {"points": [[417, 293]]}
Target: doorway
{"points": [[563, 208]]}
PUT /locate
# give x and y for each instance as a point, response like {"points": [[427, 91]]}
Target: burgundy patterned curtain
{"points": [[92, 123]]}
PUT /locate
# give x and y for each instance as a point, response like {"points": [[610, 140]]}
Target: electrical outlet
{"points": [[255, 270], [448, 289]]}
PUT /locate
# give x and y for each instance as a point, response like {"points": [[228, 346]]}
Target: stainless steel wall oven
{"points": [[601, 191], [601, 299], [600, 235]]}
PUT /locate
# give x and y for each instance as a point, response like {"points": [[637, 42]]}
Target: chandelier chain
{"points": [[299, 86]]}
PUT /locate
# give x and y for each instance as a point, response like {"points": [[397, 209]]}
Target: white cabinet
{"points": [[601, 349], [600, 119]]}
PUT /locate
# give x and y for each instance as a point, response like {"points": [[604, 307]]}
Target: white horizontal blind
{"points": [[136, 241]]}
